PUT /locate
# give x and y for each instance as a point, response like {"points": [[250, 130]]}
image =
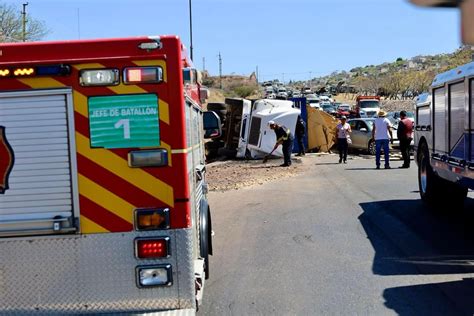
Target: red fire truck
{"points": [[103, 204]]}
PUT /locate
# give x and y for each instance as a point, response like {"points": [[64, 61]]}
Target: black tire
{"points": [[371, 147], [433, 189], [205, 238], [428, 181]]}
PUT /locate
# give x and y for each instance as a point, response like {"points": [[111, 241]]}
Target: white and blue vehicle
{"points": [[444, 137]]}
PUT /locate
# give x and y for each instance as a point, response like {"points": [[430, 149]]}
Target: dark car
{"points": [[329, 108]]}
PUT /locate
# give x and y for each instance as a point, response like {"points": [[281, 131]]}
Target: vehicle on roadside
{"points": [[270, 95], [343, 109], [366, 106], [313, 102], [329, 108], [362, 134], [444, 138], [307, 90], [103, 193]]}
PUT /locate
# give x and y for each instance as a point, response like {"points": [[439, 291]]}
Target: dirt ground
{"points": [[236, 174]]}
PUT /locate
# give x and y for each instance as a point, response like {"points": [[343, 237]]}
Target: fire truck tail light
{"points": [[23, 72], [159, 275], [148, 158], [4, 72], [152, 248], [152, 219], [133, 75], [99, 77]]}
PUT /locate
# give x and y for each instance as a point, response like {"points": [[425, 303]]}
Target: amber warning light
{"points": [[19, 72], [4, 72]]}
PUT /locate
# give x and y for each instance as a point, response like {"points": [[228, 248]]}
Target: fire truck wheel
{"points": [[205, 237], [428, 182]]}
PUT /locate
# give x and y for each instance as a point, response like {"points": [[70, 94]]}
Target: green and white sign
{"points": [[124, 121]]}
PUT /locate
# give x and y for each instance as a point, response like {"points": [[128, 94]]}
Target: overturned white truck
{"points": [[247, 132]]}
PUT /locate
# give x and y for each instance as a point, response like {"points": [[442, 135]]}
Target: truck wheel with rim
{"points": [[433, 189], [371, 147], [429, 183]]}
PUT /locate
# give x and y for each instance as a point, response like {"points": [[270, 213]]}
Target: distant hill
{"points": [[400, 79]]}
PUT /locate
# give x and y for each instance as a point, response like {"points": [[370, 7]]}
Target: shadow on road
{"points": [[426, 243], [436, 243], [422, 299]]}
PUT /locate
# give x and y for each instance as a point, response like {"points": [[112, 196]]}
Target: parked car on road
{"points": [[362, 134], [329, 108]]}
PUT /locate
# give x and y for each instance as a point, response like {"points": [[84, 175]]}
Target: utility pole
{"points": [[220, 69], [191, 28], [23, 13], [78, 24], [204, 64], [256, 74]]}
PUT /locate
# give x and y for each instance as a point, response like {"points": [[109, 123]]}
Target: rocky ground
{"points": [[235, 174]]}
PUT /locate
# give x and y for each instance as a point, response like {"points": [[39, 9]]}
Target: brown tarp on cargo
{"points": [[321, 130]]}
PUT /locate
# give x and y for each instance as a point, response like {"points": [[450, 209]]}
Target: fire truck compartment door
{"points": [[38, 170]]}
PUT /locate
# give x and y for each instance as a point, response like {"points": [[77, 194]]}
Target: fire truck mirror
{"points": [[212, 125]]}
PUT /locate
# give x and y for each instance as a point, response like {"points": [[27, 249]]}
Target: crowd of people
{"points": [[382, 134]]}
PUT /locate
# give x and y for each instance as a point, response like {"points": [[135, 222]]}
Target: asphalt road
{"points": [[339, 240]]}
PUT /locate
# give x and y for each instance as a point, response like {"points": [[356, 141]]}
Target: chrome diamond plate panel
{"points": [[89, 274]]}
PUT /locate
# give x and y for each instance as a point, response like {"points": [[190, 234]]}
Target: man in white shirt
{"points": [[382, 133]]}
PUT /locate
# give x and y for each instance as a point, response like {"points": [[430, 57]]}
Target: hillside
{"points": [[400, 79]]}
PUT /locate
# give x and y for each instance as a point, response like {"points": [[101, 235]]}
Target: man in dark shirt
{"points": [[285, 138], [404, 134], [300, 131]]}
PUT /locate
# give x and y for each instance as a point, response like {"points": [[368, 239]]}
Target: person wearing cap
{"points": [[382, 134], [404, 134], [284, 138], [343, 131]]}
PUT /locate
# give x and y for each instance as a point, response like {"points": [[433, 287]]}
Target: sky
{"points": [[285, 39]]}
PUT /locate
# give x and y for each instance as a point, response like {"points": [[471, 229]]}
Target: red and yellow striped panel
{"points": [[109, 190]]}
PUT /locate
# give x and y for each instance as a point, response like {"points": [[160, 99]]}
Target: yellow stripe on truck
{"points": [[119, 166], [89, 227], [106, 199], [80, 101]]}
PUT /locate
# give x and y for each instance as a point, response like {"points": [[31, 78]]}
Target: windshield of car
{"points": [[311, 101], [344, 107], [411, 115], [328, 106], [369, 104]]}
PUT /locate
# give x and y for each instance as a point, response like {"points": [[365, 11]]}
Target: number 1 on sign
{"points": [[126, 127]]}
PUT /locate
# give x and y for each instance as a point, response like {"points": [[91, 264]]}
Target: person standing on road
{"points": [[382, 134], [343, 137], [404, 134], [300, 131], [285, 138]]}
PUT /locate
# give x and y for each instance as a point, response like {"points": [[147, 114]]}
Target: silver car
{"points": [[362, 135]]}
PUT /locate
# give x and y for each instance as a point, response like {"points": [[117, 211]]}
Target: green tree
{"points": [[11, 25]]}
